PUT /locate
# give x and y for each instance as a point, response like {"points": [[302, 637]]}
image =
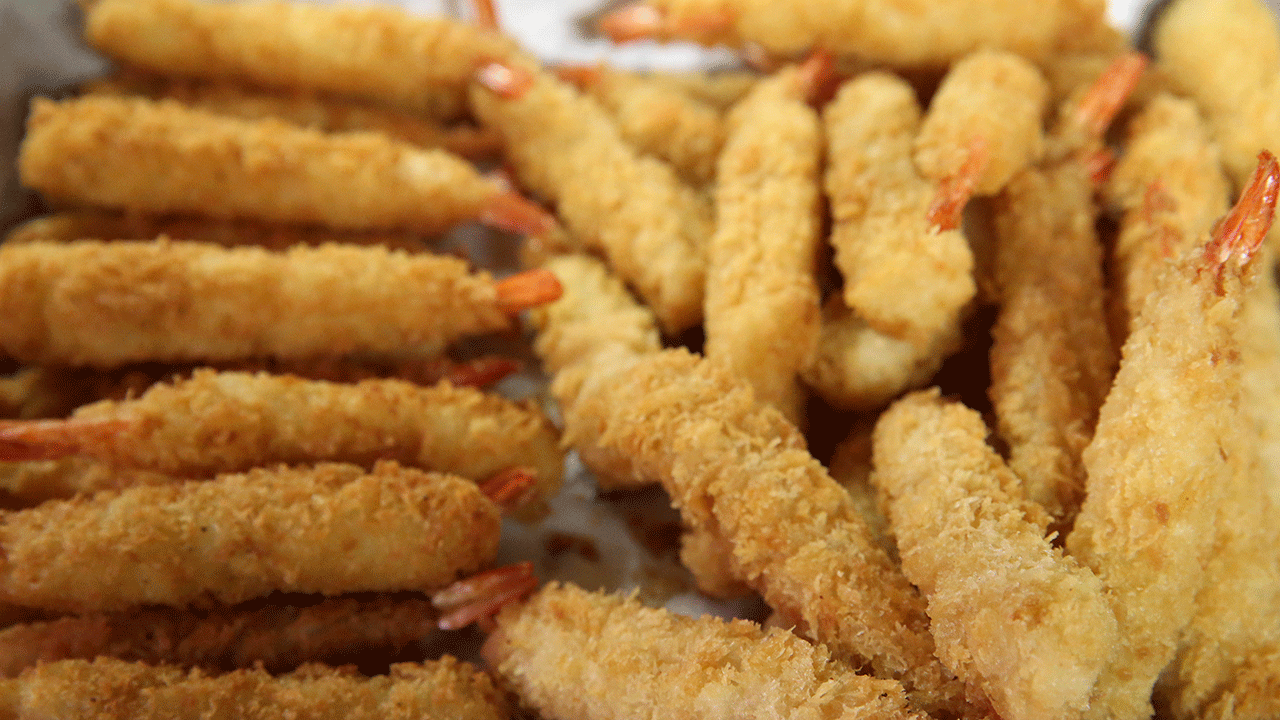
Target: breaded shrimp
{"points": [[633, 208], [1052, 358], [893, 33], [329, 529], [1225, 54], [657, 118], [739, 469], [229, 422], [110, 689], [1012, 616], [107, 225], [340, 49], [1166, 449], [104, 304], [281, 634], [905, 274], [593, 330], [762, 312], [565, 648], [302, 108], [993, 95], [162, 157]]}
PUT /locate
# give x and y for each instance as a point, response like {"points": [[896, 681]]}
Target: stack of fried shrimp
{"points": [[952, 332]]}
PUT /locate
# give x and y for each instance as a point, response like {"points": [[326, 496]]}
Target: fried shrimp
{"points": [[181, 429], [657, 118], [1166, 448], [739, 469], [339, 49], [592, 331], [162, 157], [633, 208], [762, 303], [108, 303], [303, 108], [898, 34], [993, 95], [109, 689], [908, 271], [328, 529], [1011, 614], [563, 649], [279, 636]]}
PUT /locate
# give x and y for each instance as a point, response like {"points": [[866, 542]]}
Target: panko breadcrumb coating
{"points": [[566, 649], [109, 689], [329, 529]]}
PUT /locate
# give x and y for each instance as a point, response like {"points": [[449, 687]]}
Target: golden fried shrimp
{"points": [[162, 157], [564, 650], [993, 95], [110, 689], [340, 49], [1167, 448], [302, 108], [739, 469], [281, 634], [329, 529], [657, 118], [1012, 616], [108, 303], [762, 314], [859, 368], [907, 274], [632, 208], [181, 429], [1225, 54], [107, 225], [898, 34], [592, 331], [1170, 187]]}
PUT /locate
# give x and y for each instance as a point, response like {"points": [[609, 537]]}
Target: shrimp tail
{"points": [[505, 80], [482, 595], [1109, 92], [528, 289], [511, 488], [954, 192], [1241, 232], [53, 439], [641, 21], [515, 213], [483, 371]]}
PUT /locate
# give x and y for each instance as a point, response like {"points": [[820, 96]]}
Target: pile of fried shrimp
{"points": [[951, 331]]}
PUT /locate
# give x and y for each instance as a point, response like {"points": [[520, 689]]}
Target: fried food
{"points": [[1166, 448], [652, 228], [108, 303], [897, 34], [329, 529], [302, 108], [563, 650], [162, 157], [739, 469], [658, 118], [340, 49], [181, 429], [1012, 616], [278, 636], [762, 303], [993, 95], [113, 689]]}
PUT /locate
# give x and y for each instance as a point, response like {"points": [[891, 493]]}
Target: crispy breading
{"points": [[1013, 617], [109, 689], [329, 529], [565, 648]]}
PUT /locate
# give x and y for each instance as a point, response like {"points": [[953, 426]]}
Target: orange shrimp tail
{"points": [[506, 81], [1241, 232], [954, 192], [510, 488], [1103, 100], [483, 371], [818, 79], [513, 212], [636, 21], [483, 595], [1099, 165], [527, 289], [486, 14], [580, 76], [53, 439]]}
